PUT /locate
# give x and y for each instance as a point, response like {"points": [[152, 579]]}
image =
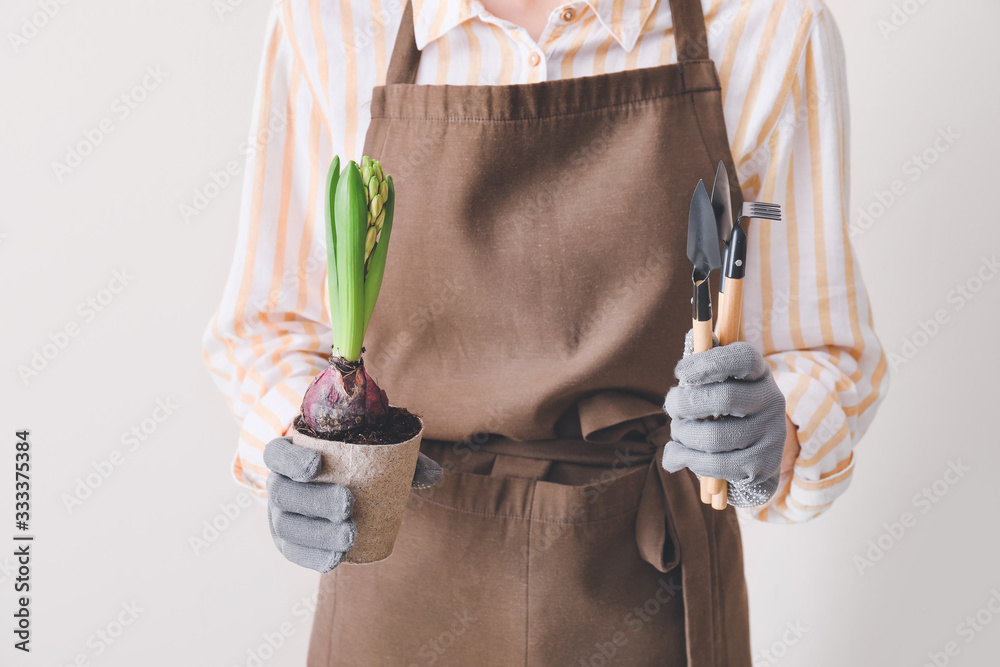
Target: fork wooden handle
{"points": [[727, 329], [710, 488]]}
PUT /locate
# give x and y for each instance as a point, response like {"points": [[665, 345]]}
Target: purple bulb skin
{"points": [[338, 400]]}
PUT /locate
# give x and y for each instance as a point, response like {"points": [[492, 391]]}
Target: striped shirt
{"points": [[781, 67]]}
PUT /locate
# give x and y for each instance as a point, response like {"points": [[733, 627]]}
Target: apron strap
{"points": [[691, 40], [690, 35], [405, 54]]}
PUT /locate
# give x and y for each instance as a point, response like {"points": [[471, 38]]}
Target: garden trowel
{"points": [[703, 251]]}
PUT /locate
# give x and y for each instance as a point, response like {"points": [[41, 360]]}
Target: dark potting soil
{"points": [[399, 427]]}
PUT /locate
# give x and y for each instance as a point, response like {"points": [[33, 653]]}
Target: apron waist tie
{"points": [[655, 529], [670, 518]]}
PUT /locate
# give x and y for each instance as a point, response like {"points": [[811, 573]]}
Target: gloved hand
{"points": [[744, 444], [310, 521]]}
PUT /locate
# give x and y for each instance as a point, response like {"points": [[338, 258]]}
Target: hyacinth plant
{"points": [[358, 223]]}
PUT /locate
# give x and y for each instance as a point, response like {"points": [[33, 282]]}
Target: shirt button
{"points": [[569, 15], [533, 59]]}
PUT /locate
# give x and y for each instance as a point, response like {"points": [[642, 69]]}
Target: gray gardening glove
{"points": [[310, 521], [744, 444]]}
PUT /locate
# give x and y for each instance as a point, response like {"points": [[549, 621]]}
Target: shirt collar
{"points": [[622, 18]]}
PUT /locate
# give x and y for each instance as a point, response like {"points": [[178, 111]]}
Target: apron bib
{"points": [[534, 305]]}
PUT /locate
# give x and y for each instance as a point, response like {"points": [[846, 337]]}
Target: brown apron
{"points": [[533, 308]]}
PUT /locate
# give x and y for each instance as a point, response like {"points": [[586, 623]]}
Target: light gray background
{"points": [[129, 542]]}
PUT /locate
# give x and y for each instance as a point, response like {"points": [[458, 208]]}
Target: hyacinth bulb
{"points": [[341, 397]]}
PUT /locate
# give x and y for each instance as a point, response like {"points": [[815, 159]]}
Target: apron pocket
{"points": [[503, 570]]}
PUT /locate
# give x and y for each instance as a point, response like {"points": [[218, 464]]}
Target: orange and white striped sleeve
{"points": [[270, 334], [806, 306]]}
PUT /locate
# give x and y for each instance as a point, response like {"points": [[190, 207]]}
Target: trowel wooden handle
{"points": [[702, 335], [702, 342], [706, 493], [727, 331]]}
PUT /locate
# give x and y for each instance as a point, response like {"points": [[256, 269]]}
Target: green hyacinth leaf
{"points": [[332, 177], [351, 218]]}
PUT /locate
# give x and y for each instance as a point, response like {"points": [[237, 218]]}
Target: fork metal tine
{"points": [[762, 210]]}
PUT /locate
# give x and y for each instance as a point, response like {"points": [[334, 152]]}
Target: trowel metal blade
{"points": [[703, 234]]}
